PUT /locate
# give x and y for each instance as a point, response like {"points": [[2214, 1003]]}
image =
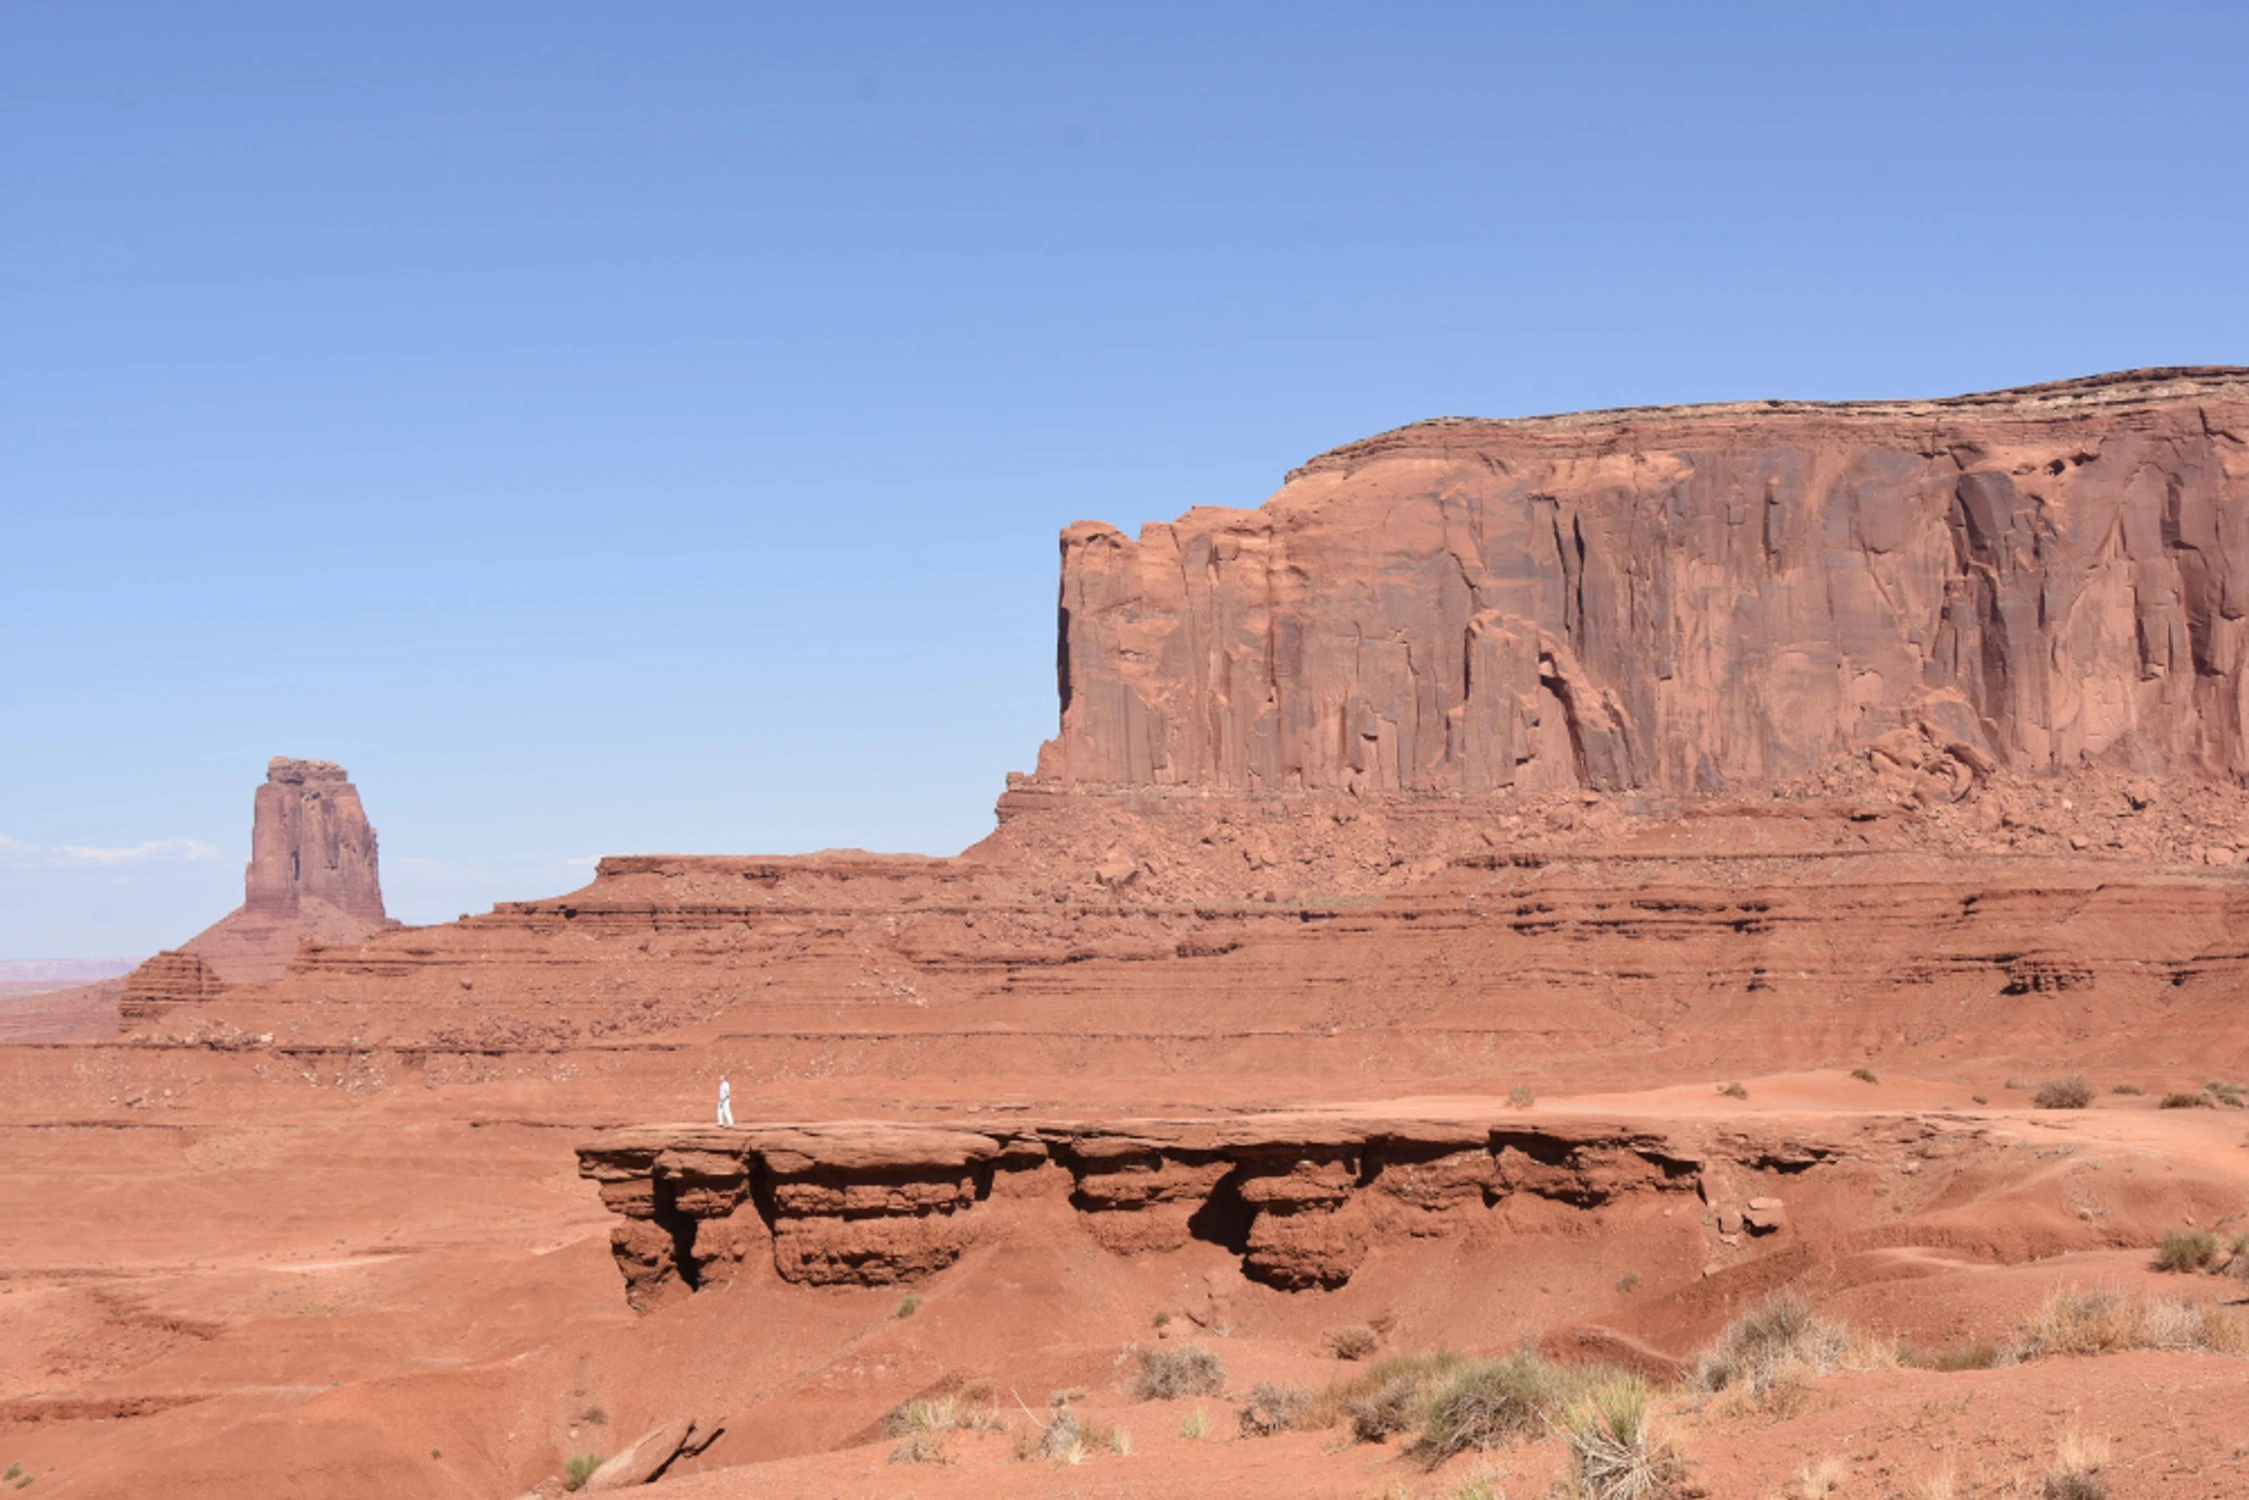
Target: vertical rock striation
{"points": [[1686, 599], [310, 839]]}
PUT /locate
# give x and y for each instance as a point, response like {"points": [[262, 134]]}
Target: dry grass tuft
{"points": [[1615, 1453], [1769, 1342], [2181, 1099], [1735, 1090], [1188, 1370], [1274, 1408], [1818, 1481], [2076, 1473], [1938, 1486], [1059, 1440], [1768, 1360], [1382, 1399], [2105, 1321], [1352, 1341], [2127, 1088], [2071, 1092]]}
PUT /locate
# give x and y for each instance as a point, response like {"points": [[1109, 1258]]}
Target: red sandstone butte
{"points": [[312, 874]]}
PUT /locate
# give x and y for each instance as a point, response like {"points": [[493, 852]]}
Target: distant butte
{"points": [[312, 874]]}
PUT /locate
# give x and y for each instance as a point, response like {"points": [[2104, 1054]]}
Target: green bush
{"points": [[578, 1470], [2187, 1250], [1487, 1402]]}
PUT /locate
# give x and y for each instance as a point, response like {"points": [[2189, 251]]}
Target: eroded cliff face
{"points": [[1300, 1199], [1686, 599]]}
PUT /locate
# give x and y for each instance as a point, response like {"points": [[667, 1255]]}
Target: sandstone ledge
{"points": [[1299, 1196]]}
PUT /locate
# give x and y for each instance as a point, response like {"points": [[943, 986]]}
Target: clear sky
{"points": [[614, 428]]}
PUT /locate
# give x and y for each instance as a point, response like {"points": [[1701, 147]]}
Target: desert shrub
{"points": [[1120, 1442], [2231, 1095], [1059, 1440], [1383, 1397], [2076, 1471], [2181, 1099], [1614, 1452], [1487, 1402], [909, 1417], [2071, 1092], [1521, 1096], [2127, 1088], [1351, 1341], [922, 1448], [1628, 1281], [1188, 1370], [1781, 1336], [2018, 1085], [908, 1305], [1274, 1407], [1734, 1090], [976, 1406], [1390, 1408], [1865, 1075], [2187, 1250], [578, 1470], [2106, 1321]]}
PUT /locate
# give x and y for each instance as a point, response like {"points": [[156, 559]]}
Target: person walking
{"points": [[725, 1101]]}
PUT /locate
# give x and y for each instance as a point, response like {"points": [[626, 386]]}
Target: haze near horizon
{"points": [[614, 431]]}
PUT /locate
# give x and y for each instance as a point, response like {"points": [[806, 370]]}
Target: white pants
{"points": [[725, 1111]]}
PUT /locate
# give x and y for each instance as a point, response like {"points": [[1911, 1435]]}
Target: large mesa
{"points": [[1689, 600]]}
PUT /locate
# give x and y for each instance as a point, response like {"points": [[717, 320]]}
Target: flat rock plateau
{"points": [[1544, 885]]}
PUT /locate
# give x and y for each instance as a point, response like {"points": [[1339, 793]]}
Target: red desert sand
{"points": [[1688, 951]]}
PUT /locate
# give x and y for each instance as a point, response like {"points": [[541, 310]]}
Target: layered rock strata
{"points": [[1687, 599], [165, 982], [1299, 1198]]}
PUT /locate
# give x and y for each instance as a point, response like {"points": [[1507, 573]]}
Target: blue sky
{"points": [[624, 428]]}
